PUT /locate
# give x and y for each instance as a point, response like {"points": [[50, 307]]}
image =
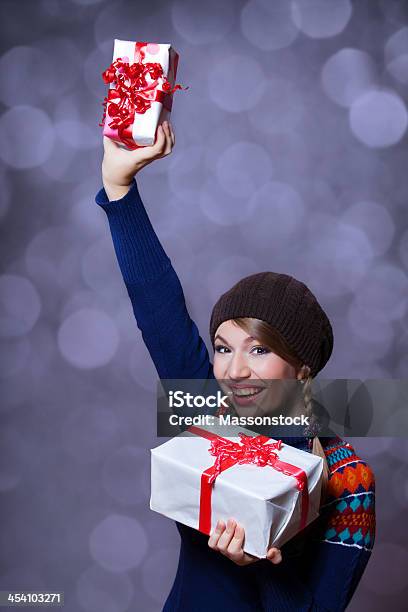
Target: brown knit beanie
{"points": [[286, 304]]}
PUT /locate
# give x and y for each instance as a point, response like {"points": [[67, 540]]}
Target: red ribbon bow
{"points": [[134, 92], [250, 449]]}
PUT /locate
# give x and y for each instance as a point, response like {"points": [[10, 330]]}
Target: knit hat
{"points": [[286, 304]]}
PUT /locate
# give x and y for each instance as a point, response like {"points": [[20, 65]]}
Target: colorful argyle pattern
{"points": [[348, 513]]}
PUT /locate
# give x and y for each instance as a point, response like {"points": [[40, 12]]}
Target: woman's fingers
{"points": [[235, 550], [215, 535], [173, 136], [274, 555], [158, 147], [235, 545], [226, 537], [228, 540], [169, 142]]}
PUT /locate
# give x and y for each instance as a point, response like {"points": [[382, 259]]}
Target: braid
{"points": [[307, 397], [317, 448]]}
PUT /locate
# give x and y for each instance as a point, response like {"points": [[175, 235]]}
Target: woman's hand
{"points": [[120, 165], [228, 540]]}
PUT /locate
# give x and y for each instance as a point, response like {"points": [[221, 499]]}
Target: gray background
{"points": [[291, 155]]}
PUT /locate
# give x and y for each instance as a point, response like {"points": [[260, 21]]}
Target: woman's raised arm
{"points": [[157, 297]]}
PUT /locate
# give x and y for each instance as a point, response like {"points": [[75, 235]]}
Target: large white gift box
{"points": [[271, 488]]}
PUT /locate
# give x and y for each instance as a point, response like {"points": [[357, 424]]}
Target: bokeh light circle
{"points": [[378, 334], [268, 25], [382, 292], [19, 65], [226, 78], [20, 305], [242, 168], [396, 55], [206, 24], [321, 18], [222, 208], [118, 543], [375, 220], [348, 74], [88, 338], [378, 118], [347, 255], [26, 137]]}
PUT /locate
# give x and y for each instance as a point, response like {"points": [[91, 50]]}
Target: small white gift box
{"points": [[141, 85], [272, 489]]}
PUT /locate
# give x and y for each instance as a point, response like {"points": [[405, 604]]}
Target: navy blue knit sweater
{"points": [[322, 565]]}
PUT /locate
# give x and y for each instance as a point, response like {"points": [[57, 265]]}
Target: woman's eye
{"points": [[263, 350], [220, 347]]}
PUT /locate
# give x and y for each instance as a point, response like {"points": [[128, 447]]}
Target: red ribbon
{"points": [[250, 449], [133, 93]]}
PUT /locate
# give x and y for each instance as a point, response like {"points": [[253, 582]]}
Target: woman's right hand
{"points": [[229, 541], [120, 165]]}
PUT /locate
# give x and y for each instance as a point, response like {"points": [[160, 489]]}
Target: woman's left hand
{"points": [[228, 540]]}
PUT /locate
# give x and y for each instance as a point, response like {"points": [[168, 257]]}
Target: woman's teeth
{"points": [[245, 392]]}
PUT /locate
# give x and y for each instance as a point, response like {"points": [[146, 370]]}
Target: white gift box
{"points": [[264, 500], [143, 130]]}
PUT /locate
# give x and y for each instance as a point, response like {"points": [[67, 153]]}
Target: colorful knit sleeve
{"points": [[350, 500], [326, 574], [155, 291], [345, 534]]}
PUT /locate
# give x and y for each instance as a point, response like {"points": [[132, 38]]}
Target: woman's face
{"points": [[243, 365]]}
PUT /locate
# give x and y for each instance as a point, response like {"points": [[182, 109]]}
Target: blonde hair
{"points": [[271, 337]]}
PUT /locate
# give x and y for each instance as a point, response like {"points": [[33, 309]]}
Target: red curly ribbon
{"points": [[133, 92], [250, 449]]}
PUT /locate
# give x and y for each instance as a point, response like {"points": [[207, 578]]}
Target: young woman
{"points": [[268, 326]]}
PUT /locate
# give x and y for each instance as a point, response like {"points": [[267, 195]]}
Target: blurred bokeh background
{"points": [[291, 155]]}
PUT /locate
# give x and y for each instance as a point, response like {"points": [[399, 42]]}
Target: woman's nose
{"points": [[238, 367]]}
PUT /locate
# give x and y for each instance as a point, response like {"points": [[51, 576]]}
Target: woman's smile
{"points": [[245, 396]]}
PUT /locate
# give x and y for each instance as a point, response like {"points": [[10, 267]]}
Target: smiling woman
{"points": [[250, 363], [285, 335], [267, 327], [256, 356]]}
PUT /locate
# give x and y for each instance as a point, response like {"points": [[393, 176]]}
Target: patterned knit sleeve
{"points": [[155, 291], [345, 533], [350, 502], [338, 546]]}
